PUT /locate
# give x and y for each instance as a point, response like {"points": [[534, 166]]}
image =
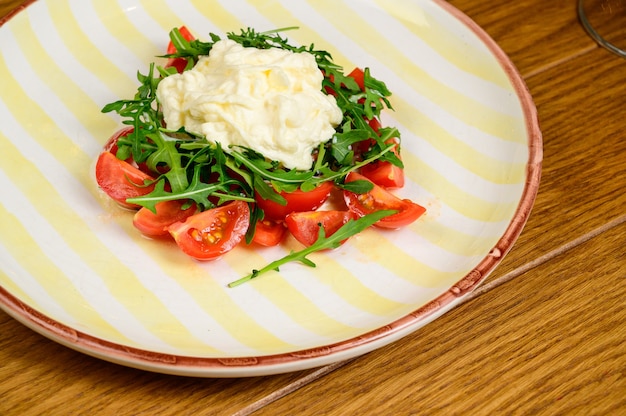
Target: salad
{"points": [[185, 184]]}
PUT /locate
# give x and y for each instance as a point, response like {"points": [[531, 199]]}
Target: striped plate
{"points": [[74, 269]]}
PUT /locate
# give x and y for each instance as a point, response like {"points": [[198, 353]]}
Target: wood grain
{"points": [[535, 35], [584, 169], [8, 6], [41, 377], [549, 341], [552, 343]]}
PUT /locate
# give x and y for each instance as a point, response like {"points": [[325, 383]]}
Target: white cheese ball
{"points": [[269, 100]]}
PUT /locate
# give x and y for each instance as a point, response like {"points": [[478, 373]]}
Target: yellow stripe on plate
{"points": [[124, 286], [455, 241], [470, 111], [162, 14], [348, 286], [503, 172], [377, 248], [53, 281], [215, 12], [87, 53], [49, 72], [462, 54], [456, 198], [122, 29], [206, 287]]}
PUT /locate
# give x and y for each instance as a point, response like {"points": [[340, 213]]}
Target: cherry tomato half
{"points": [[179, 63], [120, 180], [269, 233], [380, 199], [297, 201], [305, 226], [384, 173], [209, 234], [359, 76], [167, 213], [111, 144]]}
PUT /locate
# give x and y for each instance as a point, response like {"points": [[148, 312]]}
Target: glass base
{"points": [[605, 21]]}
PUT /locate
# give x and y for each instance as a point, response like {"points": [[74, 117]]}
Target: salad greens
{"points": [[188, 159], [203, 173]]}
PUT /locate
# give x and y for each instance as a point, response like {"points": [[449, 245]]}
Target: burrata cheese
{"points": [[269, 100]]}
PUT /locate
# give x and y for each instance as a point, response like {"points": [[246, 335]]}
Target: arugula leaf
{"points": [[349, 229], [341, 147], [358, 187], [197, 191]]}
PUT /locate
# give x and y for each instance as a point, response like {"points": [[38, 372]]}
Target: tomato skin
{"points": [[297, 201], [384, 173], [305, 226], [269, 233], [359, 76], [178, 63], [111, 144], [380, 199], [120, 180], [212, 233], [167, 213]]}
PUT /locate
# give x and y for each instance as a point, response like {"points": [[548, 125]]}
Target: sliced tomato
{"points": [[297, 201], [359, 76], [179, 63], [120, 180], [167, 213], [380, 199], [384, 173], [212, 233], [269, 233], [111, 144], [305, 226]]}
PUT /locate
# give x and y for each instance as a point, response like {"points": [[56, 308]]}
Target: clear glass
{"points": [[605, 21]]}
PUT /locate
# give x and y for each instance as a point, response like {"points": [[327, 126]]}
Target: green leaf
{"points": [[349, 229], [358, 187], [341, 147], [267, 192]]}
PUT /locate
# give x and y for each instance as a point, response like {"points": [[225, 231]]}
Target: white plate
{"points": [[74, 269]]}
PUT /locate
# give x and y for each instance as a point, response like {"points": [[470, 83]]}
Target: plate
{"points": [[74, 269]]}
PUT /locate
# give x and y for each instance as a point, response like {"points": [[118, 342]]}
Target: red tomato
{"points": [[384, 174], [120, 180], [111, 144], [167, 213], [358, 75], [269, 233], [209, 234], [297, 201], [378, 199], [305, 226], [178, 63]]}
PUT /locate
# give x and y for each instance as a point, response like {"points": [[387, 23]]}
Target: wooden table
{"points": [[545, 334]]}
